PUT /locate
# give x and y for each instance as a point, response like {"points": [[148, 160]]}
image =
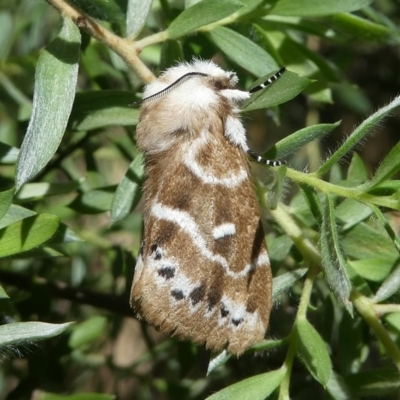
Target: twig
{"points": [[126, 49], [60, 290]]}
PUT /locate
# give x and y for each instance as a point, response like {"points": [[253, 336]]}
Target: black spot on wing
{"points": [[237, 321], [166, 272], [177, 294], [223, 310], [197, 294]]}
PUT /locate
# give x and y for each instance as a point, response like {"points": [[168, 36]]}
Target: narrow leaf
{"points": [[43, 189], [337, 388], [297, 140], [389, 166], [15, 213], [378, 382], [96, 109], [356, 137], [128, 192], [333, 262], [390, 285], [87, 331], [26, 234], [351, 212], [374, 269], [3, 293], [288, 86], [356, 26], [366, 241], [8, 154], [313, 352], [357, 171], [243, 51], [55, 82], [94, 201], [217, 361], [137, 11], [203, 13], [257, 387], [284, 282], [312, 8], [20, 333], [5, 201]]}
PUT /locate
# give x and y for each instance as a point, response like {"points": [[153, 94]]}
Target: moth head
{"points": [[199, 83]]}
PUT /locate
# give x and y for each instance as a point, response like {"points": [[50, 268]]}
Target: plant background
{"points": [[68, 240]]}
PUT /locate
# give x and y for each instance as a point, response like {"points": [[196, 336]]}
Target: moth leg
{"points": [[272, 163]]}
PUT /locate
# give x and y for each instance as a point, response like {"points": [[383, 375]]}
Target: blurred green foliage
{"points": [[70, 233]]}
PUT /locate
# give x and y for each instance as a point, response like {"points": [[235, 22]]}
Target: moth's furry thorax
{"points": [[201, 102]]}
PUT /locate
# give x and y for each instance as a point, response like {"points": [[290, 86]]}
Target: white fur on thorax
{"points": [[193, 98]]}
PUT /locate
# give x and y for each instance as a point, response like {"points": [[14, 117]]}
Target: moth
{"points": [[203, 271]]}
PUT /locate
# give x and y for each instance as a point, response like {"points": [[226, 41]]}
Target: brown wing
{"points": [[203, 273]]}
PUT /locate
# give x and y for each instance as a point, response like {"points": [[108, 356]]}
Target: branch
{"points": [[60, 290], [126, 49]]}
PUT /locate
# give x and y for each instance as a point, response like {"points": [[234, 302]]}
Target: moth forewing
{"points": [[203, 270]]}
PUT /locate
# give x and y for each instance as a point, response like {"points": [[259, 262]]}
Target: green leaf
{"points": [[312, 8], [389, 166], [313, 352], [278, 247], [171, 53], [217, 361], [129, 191], [375, 382], [8, 154], [357, 171], [5, 201], [390, 285], [333, 262], [37, 190], [26, 234], [374, 269], [297, 140], [136, 14], [15, 213], [288, 86], [97, 109], [94, 201], [87, 331], [80, 396], [393, 319], [337, 388], [3, 294], [366, 241], [20, 333], [284, 282], [55, 82], [105, 10], [203, 13], [356, 26], [243, 51], [257, 387], [313, 201], [275, 188], [358, 135], [351, 212]]}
